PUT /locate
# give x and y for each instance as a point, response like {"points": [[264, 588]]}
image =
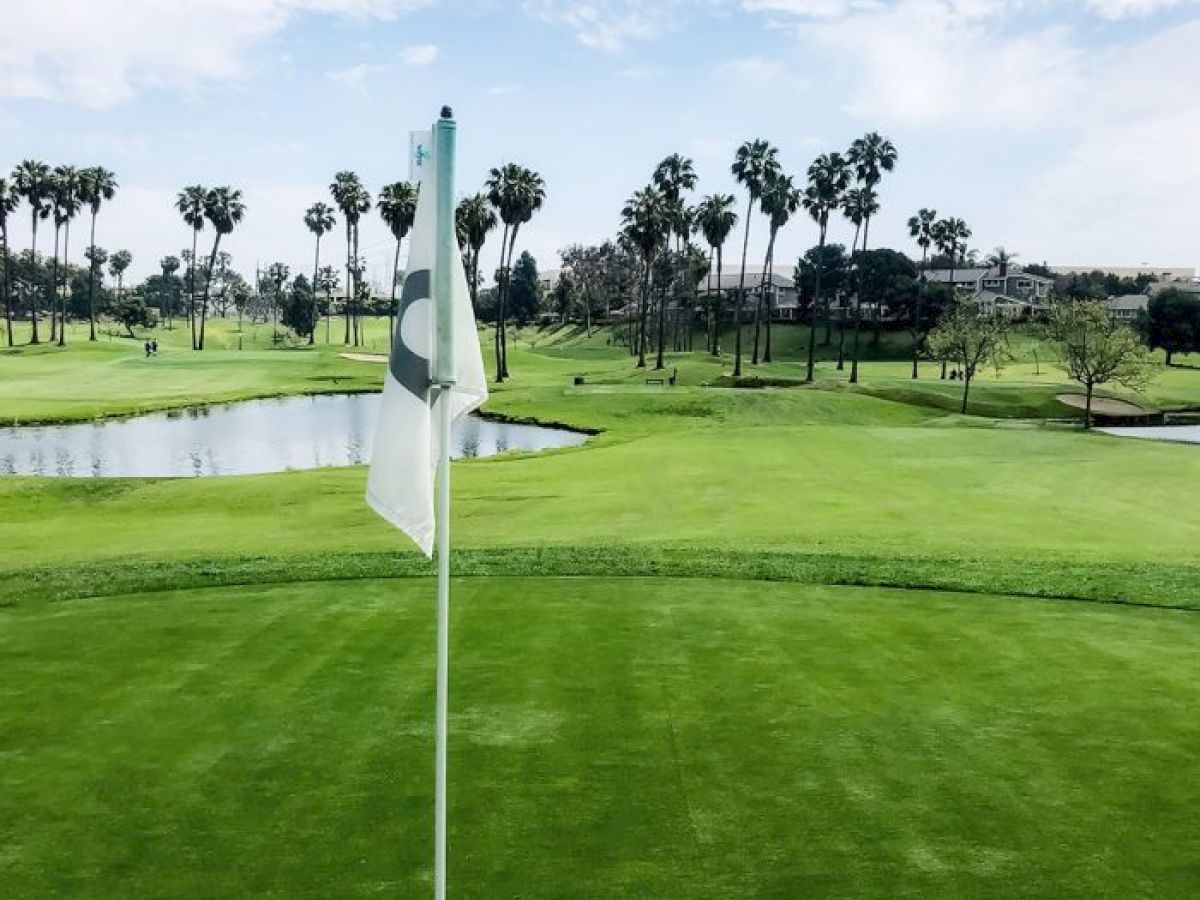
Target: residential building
{"points": [[1004, 289], [1126, 307]]}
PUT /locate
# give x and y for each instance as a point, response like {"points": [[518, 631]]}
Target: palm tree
{"points": [[871, 155], [224, 209], [473, 219], [169, 266], [318, 218], [673, 176], [31, 180], [190, 203], [950, 236], [646, 225], [715, 219], [117, 264], [397, 205], [755, 163], [920, 228], [858, 205], [1001, 259], [96, 186], [9, 201], [516, 193], [780, 201], [828, 179], [353, 200], [67, 203]]}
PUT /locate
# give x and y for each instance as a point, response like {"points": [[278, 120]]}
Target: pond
{"points": [[1187, 434], [249, 437]]}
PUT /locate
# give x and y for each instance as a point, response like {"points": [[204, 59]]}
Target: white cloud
{"points": [[419, 54], [353, 76], [498, 90], [610, 25], [1124, 9], [100, 52], [757, 71]]}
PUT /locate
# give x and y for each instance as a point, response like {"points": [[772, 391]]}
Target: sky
{"points": [[1067, 131]]}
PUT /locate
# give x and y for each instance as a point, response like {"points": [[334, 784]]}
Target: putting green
{"points": [[668, 738]]}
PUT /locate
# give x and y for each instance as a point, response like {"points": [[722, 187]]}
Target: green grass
{"points": [[812, 643], [672, 739]]}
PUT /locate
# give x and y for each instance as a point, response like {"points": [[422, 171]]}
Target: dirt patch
{"points": [[365, 357], [1104, 406]]}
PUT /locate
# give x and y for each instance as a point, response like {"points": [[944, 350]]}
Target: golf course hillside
{"points": [[753, 637]]}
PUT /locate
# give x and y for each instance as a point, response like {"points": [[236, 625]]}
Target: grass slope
{"points": [[669, 738]]}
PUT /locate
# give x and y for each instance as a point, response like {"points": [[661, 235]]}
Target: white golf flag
{"points": [[406, 450]]}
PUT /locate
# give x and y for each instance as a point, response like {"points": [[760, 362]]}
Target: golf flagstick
{"points": [[444, 136], [435, 376]]}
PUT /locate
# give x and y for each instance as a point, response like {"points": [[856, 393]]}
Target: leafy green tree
{"points": [[1171, 322], [474, 219], [397, 205], [871, 156], [755, 164], [920, 229], [828, 181], [118, 263], [526, 291], [97, 185], [32, 181], [299, 307], [516, 193], [1096, 349], [645, 225], [353, 200], [715, 219], [224, 209], [318, 219], [132, 312], [971, 338], [9, 201], [190, 204], [275, 281]]}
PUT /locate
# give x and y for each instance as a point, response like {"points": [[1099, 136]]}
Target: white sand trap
{"points": [[1105, 406], [365, 357]]}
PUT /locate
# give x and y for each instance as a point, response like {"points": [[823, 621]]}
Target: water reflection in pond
{"points": [[240, 438], [1186, 434]]}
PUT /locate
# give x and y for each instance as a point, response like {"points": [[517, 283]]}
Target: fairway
{"points": [[825, 640], [668, 738]]}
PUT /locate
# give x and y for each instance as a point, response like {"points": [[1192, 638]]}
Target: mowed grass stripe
{"points": [[648, 737]]}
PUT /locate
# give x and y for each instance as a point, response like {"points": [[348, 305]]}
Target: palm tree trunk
{"points": [[7, 281], [357, 290], [33, 319], [767, 296], [953, 295], [312, 333], [499, 297], [858, 303], [917, 323], [512, 247], [716, 347], [737, 315], [62, 303], [662, 318], [641, 364], [709, 303], [392, 311], [841, 361], [212, 260], [758, 306], [54, 288], [92, 283], [349, 281], [192, 289], [812, 332]]}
